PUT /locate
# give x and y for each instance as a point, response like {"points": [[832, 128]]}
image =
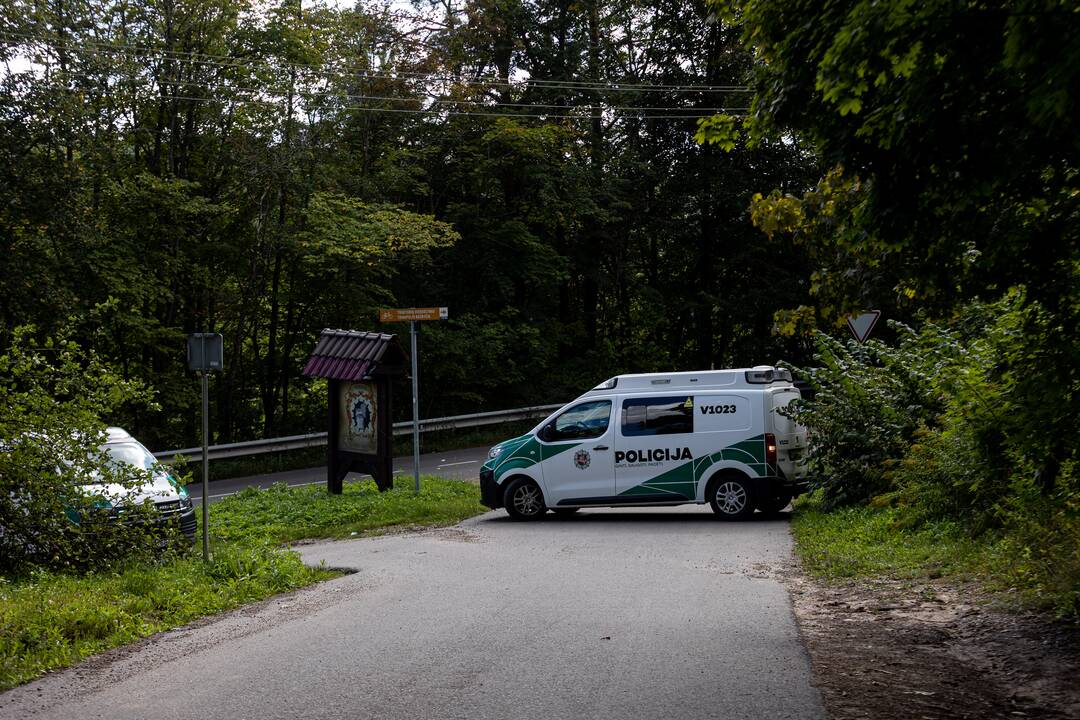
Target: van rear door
{"points": [[790, 436]]}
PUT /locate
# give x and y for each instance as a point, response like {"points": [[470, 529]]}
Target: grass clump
{"points": [[52, 620], [286, 514], [866, 541], [1035, 565]]}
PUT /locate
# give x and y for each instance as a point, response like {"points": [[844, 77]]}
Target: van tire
{"points": [[773, 503], [731, 496], [524, 500]]}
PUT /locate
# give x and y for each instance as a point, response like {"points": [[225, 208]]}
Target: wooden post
{"points": [[334, 476]]}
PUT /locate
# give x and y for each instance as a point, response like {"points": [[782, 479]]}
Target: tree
{"points": [[950, 132]]}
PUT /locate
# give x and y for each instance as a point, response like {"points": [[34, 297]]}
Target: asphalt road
{"points": [[452, 464], [623, 613]]}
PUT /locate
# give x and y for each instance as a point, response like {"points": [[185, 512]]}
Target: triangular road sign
{"points": [[861, 325]]}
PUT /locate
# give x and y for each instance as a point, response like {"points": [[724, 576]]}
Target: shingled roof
{"points": [[354, 355]]}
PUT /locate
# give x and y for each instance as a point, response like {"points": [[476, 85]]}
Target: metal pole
{"points": [[415, 408], [205, 466]]}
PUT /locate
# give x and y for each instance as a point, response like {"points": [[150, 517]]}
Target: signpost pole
{"points": [[415, 407], [205, 465]]}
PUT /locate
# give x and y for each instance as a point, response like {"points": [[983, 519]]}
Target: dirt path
{"points": [[891, 649]]}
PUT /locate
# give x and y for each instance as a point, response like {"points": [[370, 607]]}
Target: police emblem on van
{"points": [[581, 459]]}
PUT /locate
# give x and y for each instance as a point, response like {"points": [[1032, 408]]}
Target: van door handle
{"points": [[600, 447]]}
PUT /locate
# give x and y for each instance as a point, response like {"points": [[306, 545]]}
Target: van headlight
{"points": [[495, 452]]}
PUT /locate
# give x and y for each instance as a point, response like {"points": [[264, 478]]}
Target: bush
{"points": [[969, 421], [868, 403], [63, 506]]}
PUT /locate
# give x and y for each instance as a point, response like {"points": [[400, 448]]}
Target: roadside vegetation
{"points": [[75, 580], [948, 200], [924, 461], [281, 514], [50, 619]]}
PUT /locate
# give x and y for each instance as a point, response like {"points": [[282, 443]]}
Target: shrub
{"points": [[63, 506], [868, 403]]}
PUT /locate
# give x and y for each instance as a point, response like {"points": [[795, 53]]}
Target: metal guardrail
{"points": [[296, 442]]}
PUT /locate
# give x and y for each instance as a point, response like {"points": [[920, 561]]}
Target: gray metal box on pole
{"points": [[205, 352], [205, 355]]}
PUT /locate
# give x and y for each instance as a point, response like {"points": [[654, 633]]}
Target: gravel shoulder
{"points": [[889, 649]]}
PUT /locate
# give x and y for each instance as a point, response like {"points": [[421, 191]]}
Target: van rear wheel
{"points": [[731, 497], [524, 500]]}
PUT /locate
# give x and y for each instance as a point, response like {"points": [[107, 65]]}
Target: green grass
{"points": [[50, 621], [1032, 563], [860, 542], [285, 514]]}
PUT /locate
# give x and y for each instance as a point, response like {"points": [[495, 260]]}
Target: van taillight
{"points": [[770, 449]]}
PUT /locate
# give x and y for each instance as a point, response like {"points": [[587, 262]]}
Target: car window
{"points": [[658, 416], [581, 422]]}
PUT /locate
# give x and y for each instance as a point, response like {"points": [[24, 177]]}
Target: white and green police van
{"points": [[718, 437]]}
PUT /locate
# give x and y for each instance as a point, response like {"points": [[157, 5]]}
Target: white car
{"points": [[169, 497]]}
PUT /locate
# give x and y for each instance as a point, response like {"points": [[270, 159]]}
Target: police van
{"points": [[719, 437]]}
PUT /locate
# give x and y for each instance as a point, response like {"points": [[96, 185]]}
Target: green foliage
{"points": [[63, 505], [51, 620], [721, 130], [953, 163], [864, 541], [1038, 555], [948, 427], [283, 514], [257, 170], [1032, 563], [869, 402]]}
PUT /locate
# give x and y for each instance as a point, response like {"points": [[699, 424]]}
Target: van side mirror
{"points": [[546, 432]]}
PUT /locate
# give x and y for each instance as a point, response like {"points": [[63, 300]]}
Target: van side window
{"points": [[658, 416], [581, 422]]}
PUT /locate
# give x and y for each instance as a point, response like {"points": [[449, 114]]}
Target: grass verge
{"points": [[1031, 564], [50, 621], [857, 542], [286, 514]]}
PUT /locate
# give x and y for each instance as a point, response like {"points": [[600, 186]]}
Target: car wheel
{"points": [[731, 497], [772, 504], [524, 500]]}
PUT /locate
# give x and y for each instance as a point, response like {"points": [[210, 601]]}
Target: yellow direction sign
{"points": [[413, 314]]}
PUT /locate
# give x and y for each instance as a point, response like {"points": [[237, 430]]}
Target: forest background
{"points": [[592, 188], [269, 170]]}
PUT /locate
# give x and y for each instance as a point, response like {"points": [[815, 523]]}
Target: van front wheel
{"points": [[731, 497], [524, 500]]}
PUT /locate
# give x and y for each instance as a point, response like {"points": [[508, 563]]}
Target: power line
{"points": [[351, 97], [225, 61], [528, 106], [428, 112]]}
